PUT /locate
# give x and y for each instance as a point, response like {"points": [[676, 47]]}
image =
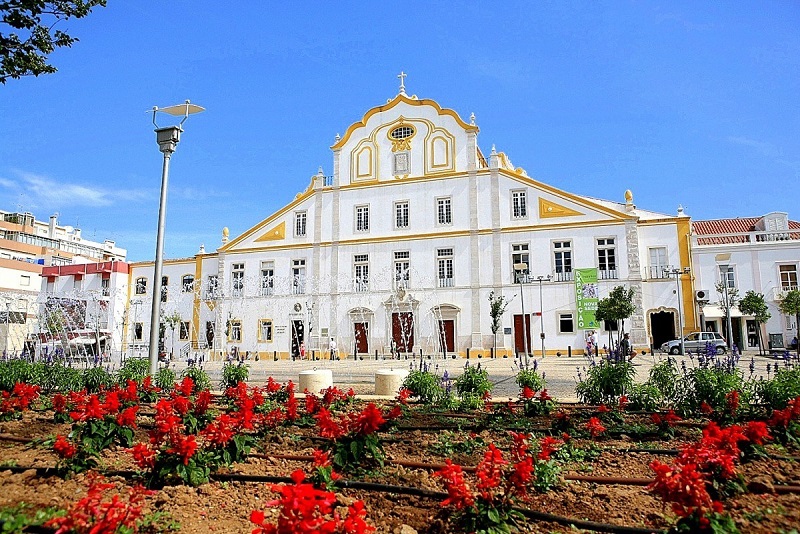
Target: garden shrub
{"points": [[134, 369], [165, 378], [645, 397], [665, 377], [530, 378], [423, 385], [97, 378], [474, 383], [605, 382], [200, 378], [710, 385], [232, 375], [778, 391]]}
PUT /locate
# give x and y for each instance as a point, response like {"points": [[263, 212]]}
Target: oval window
{"points": [[401, 132]]}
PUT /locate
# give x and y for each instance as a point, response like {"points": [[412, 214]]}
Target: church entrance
{"points": [[403, 331], [447, 335], [361, 335], [298, 336]]}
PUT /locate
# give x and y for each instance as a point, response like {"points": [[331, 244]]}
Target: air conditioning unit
{"points": [[702, 295]]}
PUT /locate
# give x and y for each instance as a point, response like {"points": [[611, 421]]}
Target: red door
{"points": [[447, 335], [519, 341], [361, 331], [403, 331]]}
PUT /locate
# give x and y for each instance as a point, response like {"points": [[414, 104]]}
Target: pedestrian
{"points": [[593, 340], [332, 347], [302, 350], [625, 348], [393, 349]]}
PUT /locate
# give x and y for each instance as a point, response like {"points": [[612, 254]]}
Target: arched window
{"points": [[187, 283]]}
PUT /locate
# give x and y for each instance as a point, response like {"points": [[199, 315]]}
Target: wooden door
{"points": [[519, 341], [447, 335], [361, 334], [403, 331], [298, 336]]}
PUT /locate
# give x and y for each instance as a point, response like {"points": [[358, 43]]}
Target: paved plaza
{"points": [[560, 372]]}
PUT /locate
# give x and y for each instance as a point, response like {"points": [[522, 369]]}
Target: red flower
{"points": [[603, 409], [543, 396], [59, 403], [186, 386], [220, 431], [490, 471], [706, 408], [111, 404], [202, 402], [370, 420], [272, 386], [128, 417], [312, 404], [732, 399], [595, 427], [183, 446], [91, 409], [181, 405], [63, 448], [394, 413], [527, 393], [328, 428], [757, 432], [547, 446], [623, 402], [321, 458], [143, 456], [403, 395], [521, 476], [519, 446], [458, 494]]}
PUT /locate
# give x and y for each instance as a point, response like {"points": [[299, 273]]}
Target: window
{"points": [[519, 254], [237, 280], [362, 218], [401, 214], [401, 270], [444, 258], [402, 163], [401, 132], [300, 224], [788, 275], [658, 262], [519, 204], [235, 331], [187, 283], [141, 286], [105, 287], [727, 276], [444, 211], [184, 331], [267, 278], [164, 284], [298, 277], [562, 254], [138, 331], [606, 258], [212, 291], [265, 330], [566, 323], [361, 273]]}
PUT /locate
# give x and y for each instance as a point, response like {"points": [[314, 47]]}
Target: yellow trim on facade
{"points": [[394, 102], [198, 284], [272, 330], [549, 209], [684, 229], [277, 233]]}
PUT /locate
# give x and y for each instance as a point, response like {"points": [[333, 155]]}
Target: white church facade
{"points": [[399, 248]]}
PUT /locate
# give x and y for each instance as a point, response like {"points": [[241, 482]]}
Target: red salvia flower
{"points": [[490, 471], [543, 396], [143, 456], [547, 446], [128, 417], [369, 420], [459, 495], [623, 403], [183, 446], [732, 400], [202, 402], [527, 393], [603, 409], [595, 427], [59, 403], [63, 448], [706, 408], [220, 431], [757, 432], [403, 395], [186, 386]]}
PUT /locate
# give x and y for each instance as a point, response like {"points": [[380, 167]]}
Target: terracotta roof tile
{"points": [[740, 225]]}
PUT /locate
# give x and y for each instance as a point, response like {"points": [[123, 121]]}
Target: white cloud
{"points": [[766, 149], [44, 192]]}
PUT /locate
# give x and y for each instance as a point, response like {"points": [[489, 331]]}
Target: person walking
{"points": [[302, 350], [625, 348], [332, 347]]}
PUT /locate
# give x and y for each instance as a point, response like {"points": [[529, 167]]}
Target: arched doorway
{"points": [[361, 319], [662, 327], [445, 316]]}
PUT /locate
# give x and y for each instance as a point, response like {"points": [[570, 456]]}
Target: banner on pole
{"points": [[586, 291]]}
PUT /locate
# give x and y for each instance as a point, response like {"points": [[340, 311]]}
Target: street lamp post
{"points": [[677, 274], [541, 279], [521, 270], [167, 139]]}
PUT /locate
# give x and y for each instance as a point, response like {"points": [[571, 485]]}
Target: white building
{"points": [[26, 247], [760, 254], [401, 245]]}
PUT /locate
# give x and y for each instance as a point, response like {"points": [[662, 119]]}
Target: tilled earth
{"points": [[226, 506]]}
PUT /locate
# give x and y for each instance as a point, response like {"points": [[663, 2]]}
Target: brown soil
{"points": [[225, 507]]}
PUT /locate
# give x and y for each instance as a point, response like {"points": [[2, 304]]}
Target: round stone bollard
{"points": [[315, 380], [389, 381]]}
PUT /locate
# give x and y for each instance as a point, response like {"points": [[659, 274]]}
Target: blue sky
{"points": [[692, 103]]}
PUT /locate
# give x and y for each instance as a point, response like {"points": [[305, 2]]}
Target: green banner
{"points": [[586, 290]]}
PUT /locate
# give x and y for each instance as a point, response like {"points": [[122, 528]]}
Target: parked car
{"points": [[697, 341]]}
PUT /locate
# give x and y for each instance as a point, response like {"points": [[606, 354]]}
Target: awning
{"points": [[713, 312]]}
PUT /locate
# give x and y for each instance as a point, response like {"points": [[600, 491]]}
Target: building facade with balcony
{"points": [[760, 254], [400, 246], [27, 246]]}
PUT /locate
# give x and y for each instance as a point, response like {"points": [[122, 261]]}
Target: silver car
{"points": [[697, 342]]}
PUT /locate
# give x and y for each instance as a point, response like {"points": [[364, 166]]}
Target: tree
{"points": [[497, 307], [754, 304], [728, 299], [24, 51], [172, 321], [617, 306], [790, 305]]}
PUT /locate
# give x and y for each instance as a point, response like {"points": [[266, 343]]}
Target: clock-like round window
{"points": [[401, 132]]}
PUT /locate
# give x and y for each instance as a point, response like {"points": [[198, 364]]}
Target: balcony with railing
{"points": [[607, 274], [563, 276], [658, 272], [446, 282], [779, 293]]}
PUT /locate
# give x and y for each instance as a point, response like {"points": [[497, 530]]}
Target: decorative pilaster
{"points": [[638, 326]]}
